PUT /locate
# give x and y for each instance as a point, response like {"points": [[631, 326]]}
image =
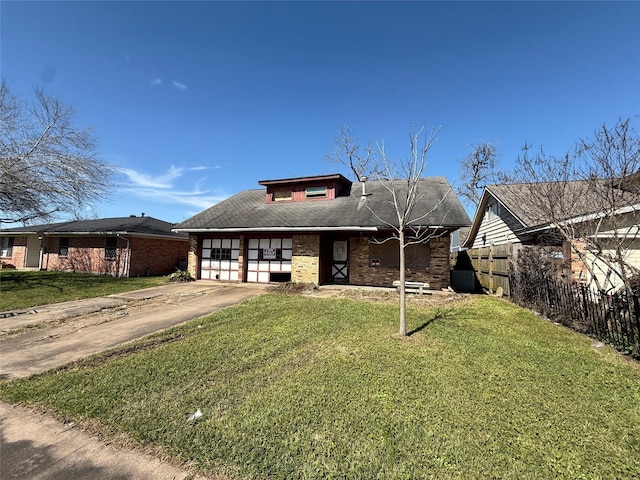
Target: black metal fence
{"points": [[611, 318]]}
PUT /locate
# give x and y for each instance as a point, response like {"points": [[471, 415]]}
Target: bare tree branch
{"points": [[590, 197], [477, 171], [48, 166], [361, 161]]}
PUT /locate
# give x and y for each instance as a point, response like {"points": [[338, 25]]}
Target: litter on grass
{"points": [[194, 416]]}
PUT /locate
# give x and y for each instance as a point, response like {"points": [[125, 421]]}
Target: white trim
{"points": [[594, 216]]}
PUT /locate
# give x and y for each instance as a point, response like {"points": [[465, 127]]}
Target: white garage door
{"points": [[269, 260], [219, 260]]}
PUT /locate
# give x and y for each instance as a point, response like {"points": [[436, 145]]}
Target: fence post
{"points": [[491, 289], [635, 326], [585, 306]]}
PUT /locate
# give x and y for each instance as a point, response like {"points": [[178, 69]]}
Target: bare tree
{"points": [[401, 179], [590, 198], [477, 171], [347, 151], [48, 166]]}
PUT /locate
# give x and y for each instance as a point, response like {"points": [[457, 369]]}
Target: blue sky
{"points": [[196, 101]]}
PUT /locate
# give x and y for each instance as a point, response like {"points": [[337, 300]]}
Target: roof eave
{"points": [[276, 229]]}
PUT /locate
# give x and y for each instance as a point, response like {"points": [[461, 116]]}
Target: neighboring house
{"points": [[321, 229], [507, 215], [122, 247], [458, 237]]}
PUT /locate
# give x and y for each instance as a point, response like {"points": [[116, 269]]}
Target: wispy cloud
{"points": [[141, 179], [161, 188], [155, 82], [179, 85]]}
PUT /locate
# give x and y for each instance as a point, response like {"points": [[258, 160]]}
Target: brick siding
{"points": [[148, 256], [362, 273], [193, 258], [305, 262], [154, 256], [17, 253]]}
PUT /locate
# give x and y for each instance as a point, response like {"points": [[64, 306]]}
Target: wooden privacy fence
{"points": [[491, 265]]}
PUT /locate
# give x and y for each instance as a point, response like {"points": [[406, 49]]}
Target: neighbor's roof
{"points": [[249, 211], [135, 226], [570, 201]]}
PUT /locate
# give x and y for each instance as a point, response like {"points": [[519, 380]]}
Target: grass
{"points": [[24, 289], [299, 387]]}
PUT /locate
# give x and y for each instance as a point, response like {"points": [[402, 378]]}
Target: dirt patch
{"points": [[432, 299], [75, 321]]}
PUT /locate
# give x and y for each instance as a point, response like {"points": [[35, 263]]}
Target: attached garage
{"points": [[269, 259], [220, 259]]}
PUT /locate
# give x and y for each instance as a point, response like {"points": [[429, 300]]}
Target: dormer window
{"points": [[301, 189], [282, 195], [315, 192]]}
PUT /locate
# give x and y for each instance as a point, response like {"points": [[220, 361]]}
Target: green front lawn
{"points": [[23, 289], [299, 387]]}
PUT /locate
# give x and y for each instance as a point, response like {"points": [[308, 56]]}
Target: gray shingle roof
{"points": [[102, 226], [529, 202], [249, 210]]}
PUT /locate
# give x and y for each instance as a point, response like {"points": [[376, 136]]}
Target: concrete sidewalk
{"points": [[34, 446], [37, 447]]}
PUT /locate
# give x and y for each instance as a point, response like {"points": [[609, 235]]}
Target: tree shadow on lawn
{"points": [[439, 314]]}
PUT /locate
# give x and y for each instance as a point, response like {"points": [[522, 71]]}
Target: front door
{"points": [[32, 257], [340, 263]]}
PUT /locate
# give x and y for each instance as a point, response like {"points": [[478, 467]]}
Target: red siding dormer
{"points": [[306, 189]]}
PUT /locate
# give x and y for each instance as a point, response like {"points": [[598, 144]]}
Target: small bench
{"points": [[413, 287]]}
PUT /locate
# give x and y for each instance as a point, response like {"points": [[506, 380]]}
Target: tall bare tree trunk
{"points": [[403, 294]]}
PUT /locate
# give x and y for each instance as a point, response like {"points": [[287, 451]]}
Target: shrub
{"points": [[181, 276]]}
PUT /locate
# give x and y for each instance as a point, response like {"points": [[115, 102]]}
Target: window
{"points": [[316, 192], [493, 211], [282, 195], [6, 246], [387, 255], [111, 248], [220, 254], [63, 246]]}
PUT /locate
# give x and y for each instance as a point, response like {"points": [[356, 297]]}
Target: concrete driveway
{"points": [[33, 340], [37, 339]]}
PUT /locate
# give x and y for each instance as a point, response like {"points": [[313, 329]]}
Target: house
{"points": [[321, 229], [596, 217], [122, 247]]}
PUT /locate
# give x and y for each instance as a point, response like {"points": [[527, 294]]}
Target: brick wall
{"points": [[305, 262], [148, 256], [156, 256], [193, 256], [85, 254], [18, 252], [362, 273], [578, 271]]}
